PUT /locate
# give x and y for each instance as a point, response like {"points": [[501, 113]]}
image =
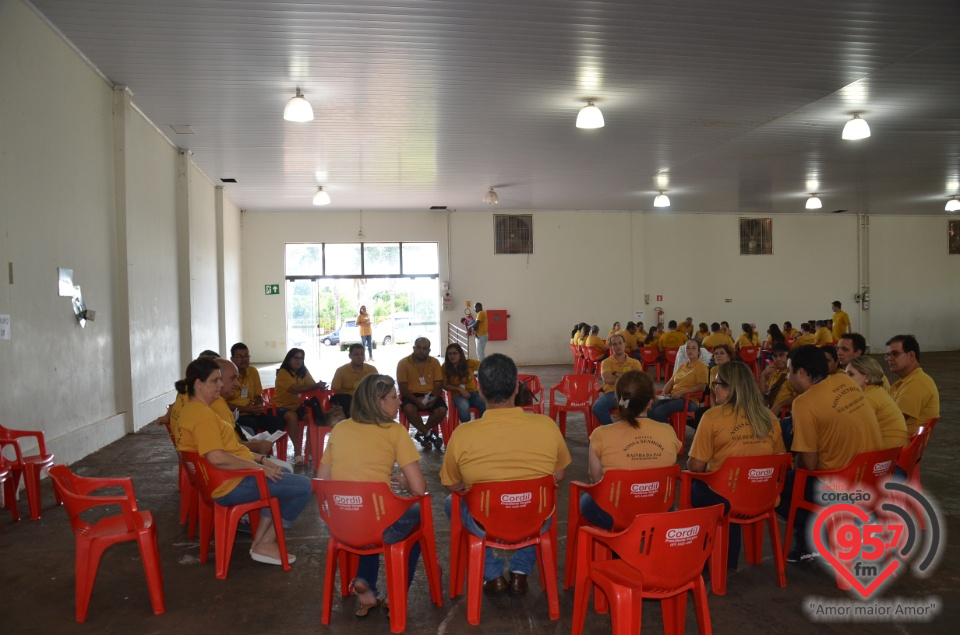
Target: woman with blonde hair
{"points": [[634, 442], [739, 425], [868, 374]]}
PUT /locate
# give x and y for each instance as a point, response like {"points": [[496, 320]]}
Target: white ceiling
{"points": [[429, 102]]}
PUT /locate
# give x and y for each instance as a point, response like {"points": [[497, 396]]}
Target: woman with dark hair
{"points": [[203, 432], [703, 331], [740, 424], [746, 338], [722, 353], [634, 442], [366, 447], [366, 331], [689, 377], [774, 335], [459, 380], [616, 329], [293, 378]]}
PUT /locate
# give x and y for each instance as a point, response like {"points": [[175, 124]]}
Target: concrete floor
{"points": [[37, 577]]}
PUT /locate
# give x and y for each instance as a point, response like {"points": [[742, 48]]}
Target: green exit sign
{"points": [[271, 289]]}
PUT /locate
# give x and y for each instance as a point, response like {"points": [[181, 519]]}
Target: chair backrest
{"points": [[579, 389], [74, 492], [593, 353], [267, 396], [912, 453], [669, 548], [534, 384], [866, 471], [512, 511], [752, 484], [625, 493], [204, 479], [357, 512], [649, 355], [671, 355], [748, 354]]}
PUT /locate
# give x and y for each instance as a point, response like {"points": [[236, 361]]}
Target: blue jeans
{"points": [[663, 408], [522, 560], [702, 496], [482, 346], [592, 513], [292, 492], [369, 567], [603, 405], [367, 341], [463, 405]]}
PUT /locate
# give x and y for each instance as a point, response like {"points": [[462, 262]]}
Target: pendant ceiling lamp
{"points": [[662, 200], [814, 202], [491, 198], [298, 109], [855, 129], [590, 116], [321, 197], [953, 205]]}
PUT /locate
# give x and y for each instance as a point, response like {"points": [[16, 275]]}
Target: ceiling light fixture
{"points": [[856, 128], [662, 200], [814, 202], [590, 116], [298, 109], [953, 205], [321, 197], [491, 198]]}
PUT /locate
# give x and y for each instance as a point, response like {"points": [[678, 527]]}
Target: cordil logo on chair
{"points": [[682, 535], [645, 489], [516, 500], [348, 502], [759, 475], [882, 468]]}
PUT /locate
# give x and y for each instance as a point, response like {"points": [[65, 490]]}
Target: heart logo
{"points": [[848, 510]]}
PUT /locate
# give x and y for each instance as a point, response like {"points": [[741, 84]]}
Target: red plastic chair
{"points": [[592, 357], [670, 355], [93, 540], [577, 358], [357, 514], [623, 494], [909, 462], [536, 387], [29, 467], [316, 435], [269, 406], [513, 514], [452, 421], [748, 355], [9, 496], [189, 497], [679, 419], [221, 520], [661, 557], [753, 485], [581, 391], [650, 356], [866, 471]]}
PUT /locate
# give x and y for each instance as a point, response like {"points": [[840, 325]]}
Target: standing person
{"points": [[203, 432], [688, 378], [634, 442], [247, 397], [459, 380], [481, 327], [868, 374], [915, 393], [421, 387], [478, 452], [293, 378], [611, 370], [347, 378], [739, 425], [365, 448], [366, 331], [841, 321]]}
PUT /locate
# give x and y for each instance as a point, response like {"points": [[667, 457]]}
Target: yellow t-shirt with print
{"points": [[893, 427], [346, 378], [723, 433], [620, 446], [368, 451], [175, 410], [611, 365], [672, 339], [202, 431]]}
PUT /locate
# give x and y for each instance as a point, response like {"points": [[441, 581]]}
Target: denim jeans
{"points": [[367, 341], [292, 492], [369, 567], [662, 409], [522, 560], [603, 405], [592, 513], [482, 346], [803, 521], [463, 405], [702, 496]]}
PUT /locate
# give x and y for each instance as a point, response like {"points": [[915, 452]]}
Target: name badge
{"points": [[244, 393], [423, 381]]}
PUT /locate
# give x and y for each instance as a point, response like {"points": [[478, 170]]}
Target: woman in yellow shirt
{"points": [[458, 379], [691, 377], [703, 332], [746, 338], [293, 378], [868, 374], [616, 329], [366, 331], [366, 447]]}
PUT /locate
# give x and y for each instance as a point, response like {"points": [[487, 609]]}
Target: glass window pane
{"points": [[343, 260], [380, 259], [304, 260], [420, 258]]}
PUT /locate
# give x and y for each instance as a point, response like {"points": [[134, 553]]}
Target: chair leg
{"points": [[395, 562], [150, 557], [718, 558], [701, 607], [31, 475], [753, 541], [329, 571], [475, 555], [675, 613], [87, 561], [581, 598], [626, 611], [547, 558], [778, 558]]}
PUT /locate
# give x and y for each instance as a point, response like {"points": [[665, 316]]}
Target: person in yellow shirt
{"points": [[823, 334], [702, 333], [756, 334], [915, 393], [806, 336], [690, 377], [459, 381], [725, 329], [247, 397], [293, 379], [774, 382], [482, 328], [421, 390], [347, 378], [868, 374], [686, 327], [673, 338], [789, 332], [630, 338], [366, 331], [746, 337], [774, 335], [641, 332], [716, 338], [615, 329], [611, 369], [841, 321], [593, 339]]}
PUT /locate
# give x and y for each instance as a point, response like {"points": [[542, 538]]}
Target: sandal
{"points": [[364, 610], [359, 586], [298, 459]]}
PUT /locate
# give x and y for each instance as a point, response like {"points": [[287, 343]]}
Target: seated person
{"points": [[615, 329], [634, 442], [806, 336], [421, 388], [593, 339], [702, 333], [652, 340], [833, 361], [203, 432], [716, 338], [686, 327], [868, 374], [347, 378], [738, 425], [688, 378], [789, 332], [774, 382], [641, 332], [630, 342], [293, 379], [366, 447], [721, 355], [774, 335], [611, 370], [459, 380], [725, 329], [247, 397], [823, 333], [673, 338], [745, 339]]}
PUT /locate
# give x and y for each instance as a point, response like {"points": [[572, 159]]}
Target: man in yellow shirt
{"points": [[716, 338], [823, 334], [594, 339], [630, 339], [505, 444], [247, 397], [421, 386], [914, 393], [806, 336], [673, 338], [841, 321], [481, 327], [686, 327]]}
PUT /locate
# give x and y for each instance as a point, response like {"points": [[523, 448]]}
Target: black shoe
{"points": [[437, 441], [423, 440], [517, 587], [495, 587], [797, 555]]}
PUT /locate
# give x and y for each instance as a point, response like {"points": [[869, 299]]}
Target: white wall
{"points": [[229, 236]]}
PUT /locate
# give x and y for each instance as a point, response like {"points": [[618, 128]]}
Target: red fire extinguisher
{"points": [[658, 311]]}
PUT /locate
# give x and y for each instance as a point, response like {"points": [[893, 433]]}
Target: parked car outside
{"points": [[349, 333]]}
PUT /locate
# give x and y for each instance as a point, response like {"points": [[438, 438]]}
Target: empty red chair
{"points": [[866, 471], [316, 435], [357, 514], [752, 485], [189, 497], [221, 520], [748, 355], [650, 356], [577, 358], [269, 406], [661, 557], [623, 494], [513, 514], [9, 496], [93, 540], [592, 356], [670, 355], [29, 467], [533, 383], [581, 391]]}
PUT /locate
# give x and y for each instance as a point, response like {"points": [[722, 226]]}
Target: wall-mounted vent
{"points": [[512, 233], [756, 236], [438, 207], [228, 180]]}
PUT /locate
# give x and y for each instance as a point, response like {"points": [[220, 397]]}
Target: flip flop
{"points": [[364, 610], [268, 560]]}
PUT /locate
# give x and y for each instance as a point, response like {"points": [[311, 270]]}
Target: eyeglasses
{"points": [[720, 384], [892, 354]]}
